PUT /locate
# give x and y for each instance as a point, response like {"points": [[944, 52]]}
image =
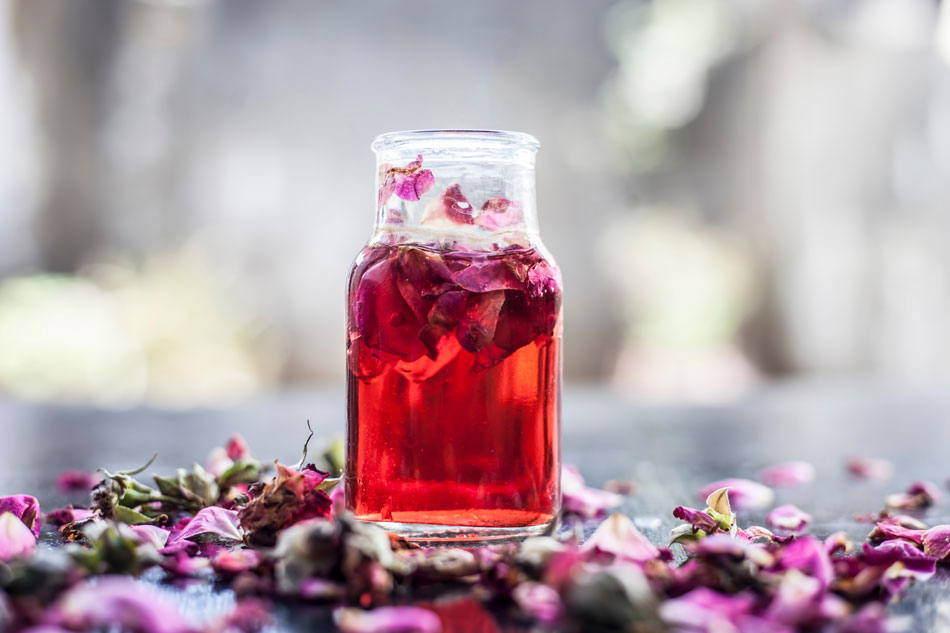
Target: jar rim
{"points": [[392, 140]]}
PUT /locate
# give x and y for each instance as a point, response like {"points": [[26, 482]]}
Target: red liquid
{"points": [[453, 387]]}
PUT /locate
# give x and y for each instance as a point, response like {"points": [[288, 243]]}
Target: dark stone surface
{"points": [[668, 451]]}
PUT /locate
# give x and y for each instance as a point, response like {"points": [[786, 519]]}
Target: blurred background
{"points": [[737, 191]]}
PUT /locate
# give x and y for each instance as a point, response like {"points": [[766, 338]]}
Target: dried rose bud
{"points": [[919, 495]]}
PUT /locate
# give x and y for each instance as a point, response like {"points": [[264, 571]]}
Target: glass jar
{"points": [[453, 344]]}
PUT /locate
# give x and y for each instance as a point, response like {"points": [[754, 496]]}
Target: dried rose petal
{"points": [[936, 542], [538, 600], [582, 500], [697, 518], [412, 182], [409, 183], [788, 474], [889, 529], [706, 610], [485, 274], [456, 205], [16, 539], [542, 279], [118, 603], [25, 508], [211, 523], [809, 556], [387, 620], [619, 537], [870, 468], [919, 495], [151, 534], [744, 494], [838, 542], [788, 519], [499, 213], [476, 328], [68, 514], [723, 545], [236, 561], [383, 318], [76, 480], [913, 562]]}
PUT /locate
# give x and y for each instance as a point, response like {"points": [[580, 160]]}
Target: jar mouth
{"points": [[479, 138]]}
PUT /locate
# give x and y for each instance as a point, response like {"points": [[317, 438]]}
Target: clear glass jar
{"points": [[453, 344]]}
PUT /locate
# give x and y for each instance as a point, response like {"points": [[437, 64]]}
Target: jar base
{"points": [[432, 535]]}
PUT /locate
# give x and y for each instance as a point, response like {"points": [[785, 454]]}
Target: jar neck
{"points": [[477, 188]]}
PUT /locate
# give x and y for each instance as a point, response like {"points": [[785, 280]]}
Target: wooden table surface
{"points": [[668, 451]]}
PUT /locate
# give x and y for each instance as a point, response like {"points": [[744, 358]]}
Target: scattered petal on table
{"points": [[744, 494], [387, 620], [788, 519], [869, 467], [788, 474]]}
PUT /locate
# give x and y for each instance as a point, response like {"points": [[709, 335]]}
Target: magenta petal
{"points": [[490, 274], [118, 603], [621, 538], [838, 542], [788, 519], [25, 508], [236, 561], [499, 213], [936, 542], [788, 474], [16, 539], [914, 563], [697, 518], [707, 610], [540, 601], [744, 494], [582, 500], [920, 494], [870, 468], [76, 480], [809, 556], [890, 529], [387, 620], [214, 522], [151, 534], [68, 514], [413, 186]]}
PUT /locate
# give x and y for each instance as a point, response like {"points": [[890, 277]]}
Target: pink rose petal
{"points": [[16, 539], [76, 481], [744, 494], [214, 522], [619, 537], [788, 519], [540, 601], [870, 468], [236, 561], [151, 534], [788, 474], [25, 508], [118, 603], [387, 620], [809, 556], [919, 495], [68, 514], [577, 498], [936, 542], [697, 518], [499, 213]]}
